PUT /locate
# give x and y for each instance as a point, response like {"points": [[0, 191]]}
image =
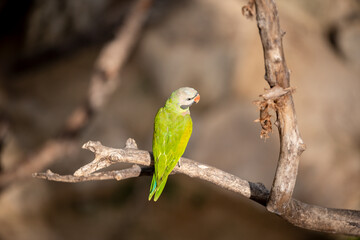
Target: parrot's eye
{"points": [[188, 99]]}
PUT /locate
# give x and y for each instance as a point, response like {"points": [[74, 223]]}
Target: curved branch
{"points": [[278, 77], [298, 213], [279, 97]]}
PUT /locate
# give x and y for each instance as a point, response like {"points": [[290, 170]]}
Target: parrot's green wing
{"points": [[172, 132]]}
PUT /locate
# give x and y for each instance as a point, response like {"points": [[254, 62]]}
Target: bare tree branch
{"points": [[106, 156], [102, 84], [118, 175], [278, 77], [298, 213], [279, 97], [331, 220]]}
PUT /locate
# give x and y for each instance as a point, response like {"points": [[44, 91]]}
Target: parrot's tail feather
{"points": [[152, 187], [160, 188]]}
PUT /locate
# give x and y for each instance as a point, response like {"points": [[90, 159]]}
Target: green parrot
{"points": [[172, 131]]}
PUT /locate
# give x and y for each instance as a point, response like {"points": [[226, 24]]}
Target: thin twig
{"points": [[118, 175]]}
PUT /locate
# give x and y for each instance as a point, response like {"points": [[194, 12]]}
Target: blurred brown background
{"points": [[47, 53]]}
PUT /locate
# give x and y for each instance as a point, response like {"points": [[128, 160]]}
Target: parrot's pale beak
{"points": [[197, 98]]}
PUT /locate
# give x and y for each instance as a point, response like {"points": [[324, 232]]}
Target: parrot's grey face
{"points": [[187, 96]]}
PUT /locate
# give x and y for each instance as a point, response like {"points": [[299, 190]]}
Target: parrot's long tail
{"points": [[156, 189], [152, 187]]}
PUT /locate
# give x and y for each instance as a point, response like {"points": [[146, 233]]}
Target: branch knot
{"points": [[130, 143], [91, 146]]}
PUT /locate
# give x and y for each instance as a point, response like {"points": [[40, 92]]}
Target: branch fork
{"points": [[105, 156]]}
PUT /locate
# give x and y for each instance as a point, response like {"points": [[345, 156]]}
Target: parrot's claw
{"points": [[178, 163]]}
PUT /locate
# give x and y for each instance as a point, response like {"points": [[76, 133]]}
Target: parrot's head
{"points": [[185, 97]]}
